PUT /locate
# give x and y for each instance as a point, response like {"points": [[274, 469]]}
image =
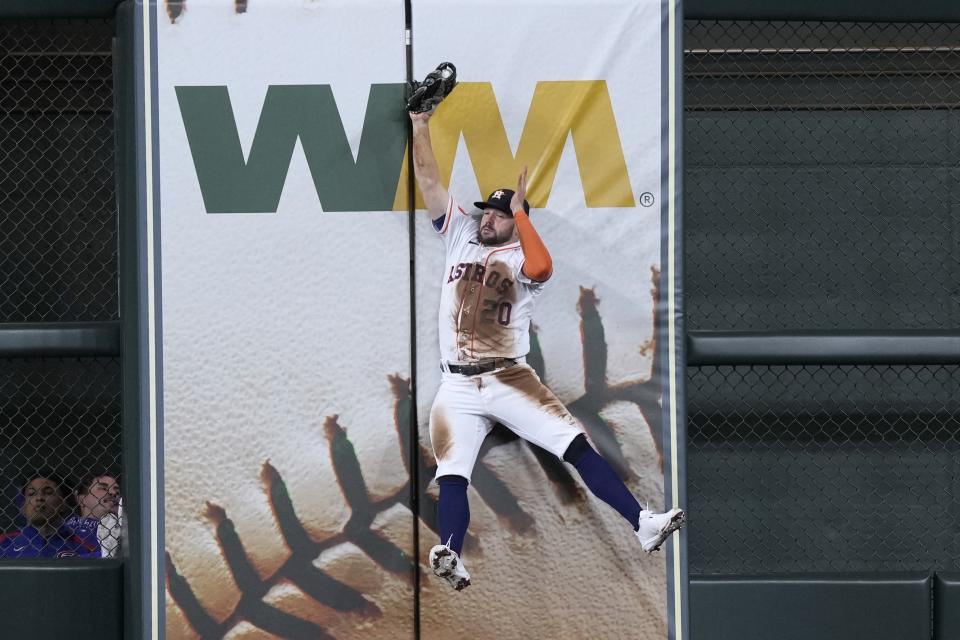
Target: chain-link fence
{"points": [[824, 468], [821, 175], [820, 187], [60, 417], [58, 240]]}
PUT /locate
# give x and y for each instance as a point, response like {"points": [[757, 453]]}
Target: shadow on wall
{"points": [[300, 568]]}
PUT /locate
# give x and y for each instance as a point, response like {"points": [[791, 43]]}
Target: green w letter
{"points": [[230, 184]]}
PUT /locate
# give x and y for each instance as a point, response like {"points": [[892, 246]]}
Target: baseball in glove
{"points": [[426, 95]]}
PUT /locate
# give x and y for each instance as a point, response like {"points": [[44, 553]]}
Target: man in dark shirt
{"points": [[45, 536]]}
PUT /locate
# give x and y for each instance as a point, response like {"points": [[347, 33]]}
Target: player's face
{"points": [[496, 227], [42, 503], [101, 498]]}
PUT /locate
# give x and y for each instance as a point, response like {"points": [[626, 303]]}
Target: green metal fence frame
{"points": [[717, 348], [97, 339]]}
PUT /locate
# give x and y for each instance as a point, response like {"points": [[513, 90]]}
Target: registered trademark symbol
{"points": [[646, 199]]}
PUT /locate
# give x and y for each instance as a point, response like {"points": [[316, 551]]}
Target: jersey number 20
{"points": [[501, 309]]}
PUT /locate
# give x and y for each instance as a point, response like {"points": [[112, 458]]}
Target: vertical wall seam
{"points": [[414, 418]]}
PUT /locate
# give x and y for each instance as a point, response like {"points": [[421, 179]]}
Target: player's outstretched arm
{"points": [[425, 167], [537, 263]]}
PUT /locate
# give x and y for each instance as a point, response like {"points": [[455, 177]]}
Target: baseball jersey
{"points": [[486, 301], [86, 528], [28, 543]]}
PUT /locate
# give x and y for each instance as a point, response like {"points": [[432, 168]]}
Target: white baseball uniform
{"points": [[485, 310]]}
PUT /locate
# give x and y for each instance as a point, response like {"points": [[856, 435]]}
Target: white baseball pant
{"points": [[466, 408]]}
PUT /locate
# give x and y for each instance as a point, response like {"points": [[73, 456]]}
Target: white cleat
{"points": [[446, 564], [657, 527]]}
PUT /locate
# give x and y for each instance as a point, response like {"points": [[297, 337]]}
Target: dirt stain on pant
{"points": [[525, 381], [440, 436]]}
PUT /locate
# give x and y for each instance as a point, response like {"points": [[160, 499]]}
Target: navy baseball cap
{"points": [[500, 200]]}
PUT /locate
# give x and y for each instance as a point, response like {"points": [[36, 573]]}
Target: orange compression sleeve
{"points": [[537, 264]]}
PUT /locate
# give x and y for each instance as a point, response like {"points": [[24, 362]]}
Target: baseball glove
{"points": [[426, 95]]}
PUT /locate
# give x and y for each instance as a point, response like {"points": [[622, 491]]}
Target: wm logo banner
{"points": [[298, 354]]}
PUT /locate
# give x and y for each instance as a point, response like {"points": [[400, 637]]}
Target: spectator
{"points": [[45, 535], [98, 501]]}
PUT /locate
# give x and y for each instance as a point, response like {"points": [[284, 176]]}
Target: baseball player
{"points": [[496, 268]]}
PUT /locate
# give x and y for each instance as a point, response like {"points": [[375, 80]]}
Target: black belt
{"points": [[481, 367]]}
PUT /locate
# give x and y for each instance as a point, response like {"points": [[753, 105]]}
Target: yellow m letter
{"points": [[580, 109]]}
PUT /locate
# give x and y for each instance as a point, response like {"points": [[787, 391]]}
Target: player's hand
{"points": [[420, 117], [516, 202]]}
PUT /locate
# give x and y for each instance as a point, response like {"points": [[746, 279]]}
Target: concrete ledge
{"points": [[60, 339], [840, 606], [819, 347], [61, 598], [829, 10], [946, 606]]}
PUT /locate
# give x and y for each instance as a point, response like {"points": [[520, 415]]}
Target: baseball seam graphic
{"points": [[301, 568]]}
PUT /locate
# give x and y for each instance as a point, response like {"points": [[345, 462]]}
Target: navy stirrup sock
{"points": [[453, 511], [602, 480]]}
